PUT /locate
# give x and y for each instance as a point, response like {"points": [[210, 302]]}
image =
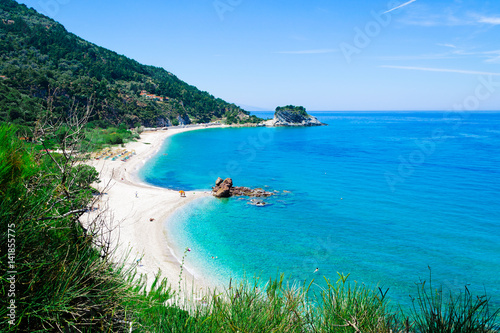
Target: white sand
{"points": [[133, 232]]}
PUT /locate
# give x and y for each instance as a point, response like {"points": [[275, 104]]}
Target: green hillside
{"points": [[43, 66]]}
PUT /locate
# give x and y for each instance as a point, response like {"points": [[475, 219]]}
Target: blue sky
{"points": [[322, 54]]}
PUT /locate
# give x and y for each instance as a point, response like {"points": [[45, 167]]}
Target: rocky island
{"points": [[224, 189], [292, 115]]}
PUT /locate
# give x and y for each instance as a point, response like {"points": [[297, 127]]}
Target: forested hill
{"points": [[44, 67]]}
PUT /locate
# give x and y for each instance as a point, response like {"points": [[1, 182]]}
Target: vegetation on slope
{"points": [[41, 63], [58, 274], [293, 109]]}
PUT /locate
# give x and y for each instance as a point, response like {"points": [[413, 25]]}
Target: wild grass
{"points": [[342, 306], [351, 307], [62, 277], [435, 310], [65, 280]]}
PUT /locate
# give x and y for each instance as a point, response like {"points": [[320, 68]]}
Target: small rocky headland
{"points": [[225, 189], [292, 115]]}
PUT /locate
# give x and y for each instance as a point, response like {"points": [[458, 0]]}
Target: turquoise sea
{"points": [[380, 195]]}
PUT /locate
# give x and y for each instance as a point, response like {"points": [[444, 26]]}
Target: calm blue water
{"points": [[382, 196]]}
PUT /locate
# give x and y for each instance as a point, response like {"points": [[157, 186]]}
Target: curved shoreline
{"points": [[129, 204]]}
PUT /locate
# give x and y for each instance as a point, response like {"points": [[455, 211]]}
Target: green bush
{"points": [[65, 280], [97, 138], [62, 277]]}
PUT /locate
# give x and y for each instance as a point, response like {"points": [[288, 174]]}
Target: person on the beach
{"points": [[136, 194]]}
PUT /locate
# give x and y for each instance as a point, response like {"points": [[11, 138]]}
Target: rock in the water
{"points": [[218, 181], [255, 202], [228, 182], [223, 192], [225, 189]]}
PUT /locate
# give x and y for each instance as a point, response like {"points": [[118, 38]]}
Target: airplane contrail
{"points": [[405, 4]]}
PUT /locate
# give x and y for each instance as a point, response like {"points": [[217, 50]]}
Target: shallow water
{"points": [[382, 196]]}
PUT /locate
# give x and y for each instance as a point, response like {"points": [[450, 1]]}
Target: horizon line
{"points": [[359, 110]]}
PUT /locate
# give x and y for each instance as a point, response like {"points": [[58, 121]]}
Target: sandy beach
{"points": [[139, 212]]}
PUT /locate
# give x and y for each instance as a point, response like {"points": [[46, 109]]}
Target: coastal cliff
{"points": [[291, 115]]}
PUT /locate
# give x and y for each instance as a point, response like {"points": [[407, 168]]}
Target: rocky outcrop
{"points": [[183, 120], [249, 192], [290, 118], [219, 181], [224, 189]]}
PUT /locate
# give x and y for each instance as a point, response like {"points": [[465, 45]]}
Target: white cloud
{"points": [[433, 19], [429, 56], [490, 20], [493, 56], [453, 52], [448, 45], [443, 70], [489, 56], [319, 51], [444, 15]]}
